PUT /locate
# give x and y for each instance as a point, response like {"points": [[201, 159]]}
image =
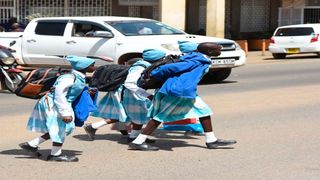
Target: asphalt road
{"points": [[271, 107]]}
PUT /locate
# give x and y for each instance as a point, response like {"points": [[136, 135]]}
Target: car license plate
{"points": [[223, 61], [293, 50]]}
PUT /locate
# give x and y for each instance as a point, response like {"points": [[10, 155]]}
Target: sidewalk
{"points": [[254, 57]]}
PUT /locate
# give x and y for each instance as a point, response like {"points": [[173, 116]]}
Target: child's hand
{"points": [[67, 119], [92, 91], [150, 97]]}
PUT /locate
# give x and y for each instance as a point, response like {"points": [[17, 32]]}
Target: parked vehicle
{"points": [[295, 39], [10, 76], [46, 41]]}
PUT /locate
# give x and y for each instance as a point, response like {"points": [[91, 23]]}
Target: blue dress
{"points": [[45, 117], [110, 106], [177, 99], [135, 104]]}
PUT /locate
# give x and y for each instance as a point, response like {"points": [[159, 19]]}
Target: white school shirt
{"points": [[60, 93], [131, 84]]}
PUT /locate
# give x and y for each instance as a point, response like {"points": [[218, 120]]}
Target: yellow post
{"points": [[246, 47], [263, 47]]}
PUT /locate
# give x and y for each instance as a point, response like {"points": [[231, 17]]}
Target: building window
{"points": [[254, 15]]}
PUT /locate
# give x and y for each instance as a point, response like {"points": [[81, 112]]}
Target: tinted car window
{"points": [[83, 29], [51, 28], [138, 28], [299, 31]]}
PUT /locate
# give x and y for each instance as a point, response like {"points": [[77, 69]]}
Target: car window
{"points": [[138, 28], [297, 31], [50, 28], [85, 29]]}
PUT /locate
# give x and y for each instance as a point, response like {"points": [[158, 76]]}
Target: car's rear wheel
{"points": [[218, 75], [279, 55]]}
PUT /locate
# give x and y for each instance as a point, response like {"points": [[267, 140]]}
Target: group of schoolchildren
{"points": [[176, 99]]}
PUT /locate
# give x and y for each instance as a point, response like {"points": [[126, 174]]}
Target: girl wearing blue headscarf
{"points": [[178, 99], [135, 103], [53, 114]]}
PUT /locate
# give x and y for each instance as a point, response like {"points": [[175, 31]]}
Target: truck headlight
{"points": [[237, 46], [8, 60], [171, 47]]}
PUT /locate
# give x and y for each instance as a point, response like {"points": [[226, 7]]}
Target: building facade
{"points": [[233, 19]]}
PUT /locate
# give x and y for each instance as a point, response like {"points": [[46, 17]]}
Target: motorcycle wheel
{"points": [[16, 79]]}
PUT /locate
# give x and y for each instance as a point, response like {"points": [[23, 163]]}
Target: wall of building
{"points": [[173, 13], [215, 18]]}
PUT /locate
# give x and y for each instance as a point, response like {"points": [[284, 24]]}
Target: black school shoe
{"points": [[27, 147], [91, 132], [220, 142], [124, 132], [147, 140], [143, 147], [62, 158]]}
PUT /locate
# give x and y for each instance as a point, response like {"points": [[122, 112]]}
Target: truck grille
{"points": [[227, 46]]}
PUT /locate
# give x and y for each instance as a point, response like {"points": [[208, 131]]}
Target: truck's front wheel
{"points": [[218, 75]]}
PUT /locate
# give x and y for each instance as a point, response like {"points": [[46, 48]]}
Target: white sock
{"points": [[140, 139], [134, 133], [35, 142], [210, 137], [99, 124], [56, 150]]}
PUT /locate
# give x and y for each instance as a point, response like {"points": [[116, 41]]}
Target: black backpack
{"points": [[147, 82], [110, 77], [38, 82]]}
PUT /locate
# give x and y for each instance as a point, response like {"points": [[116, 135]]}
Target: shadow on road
{"points": [[5, 92], [208, 82], [166, 140], [293, 57], [42, 154]]}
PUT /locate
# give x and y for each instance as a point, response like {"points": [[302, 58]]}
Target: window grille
{"points": [[308, 14], [254, 15], [54, 8], [7, 10]]}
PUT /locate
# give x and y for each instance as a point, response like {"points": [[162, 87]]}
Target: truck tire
{"points": [[279, 55], [132, 60], [218, 75]]}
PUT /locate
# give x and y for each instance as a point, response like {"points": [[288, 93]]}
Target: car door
{"points": [[46, 44], [80, 42]]}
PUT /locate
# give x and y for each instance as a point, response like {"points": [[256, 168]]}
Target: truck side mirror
{"points": [[101, 34]]}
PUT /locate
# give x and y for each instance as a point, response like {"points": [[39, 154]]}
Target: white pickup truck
{"points": [[46, 41]]}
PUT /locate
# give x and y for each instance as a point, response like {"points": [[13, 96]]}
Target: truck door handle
{"points": [[71, 42], [31, 40]]}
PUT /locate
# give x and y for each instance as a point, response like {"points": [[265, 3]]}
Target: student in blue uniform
{"points": [[136, 100], [129, 103], [178, 98], [53, 114]]}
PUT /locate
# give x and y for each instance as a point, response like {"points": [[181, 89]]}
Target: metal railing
{"points": [[301, 15]]}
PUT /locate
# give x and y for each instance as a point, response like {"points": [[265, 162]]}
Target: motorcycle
{"points": [[10, 76]]}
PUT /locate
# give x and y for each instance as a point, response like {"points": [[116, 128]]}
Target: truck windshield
{"points": [[141, 28], [297, 31]]}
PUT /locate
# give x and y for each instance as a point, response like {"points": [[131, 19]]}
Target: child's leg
{"points": [[92, 128], [37, 141], [104, 122], [56, 154], [32, 146], [136, 130], [139, 142], [207, 127], [212, 141]]}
